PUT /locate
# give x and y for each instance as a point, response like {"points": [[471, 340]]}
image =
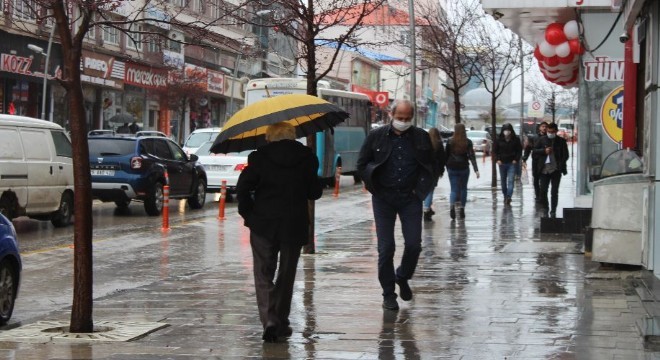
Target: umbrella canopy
{"points": [[247, 128], [122, 118]]}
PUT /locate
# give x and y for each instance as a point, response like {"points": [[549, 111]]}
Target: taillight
{"points": [[136, 163], [240, 167]]}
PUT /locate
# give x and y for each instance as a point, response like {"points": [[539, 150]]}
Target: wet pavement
{"points": [[487, 287]]}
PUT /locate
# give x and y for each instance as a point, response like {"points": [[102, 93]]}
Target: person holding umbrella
{"points": [[273, 193], [396, 164]]}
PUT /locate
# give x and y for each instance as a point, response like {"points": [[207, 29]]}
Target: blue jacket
{"points": [[377, 148]]}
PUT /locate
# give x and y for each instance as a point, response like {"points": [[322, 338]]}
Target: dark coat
{"points": [[507, 151], [559, 148], [274, 189], [439, 160], [456, 161], [377, 148]]}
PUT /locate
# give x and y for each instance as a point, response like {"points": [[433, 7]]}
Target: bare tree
{"points": [[499, 52], [554, 96], [73, 21], [447, 44]]}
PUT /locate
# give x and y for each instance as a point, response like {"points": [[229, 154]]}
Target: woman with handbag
{"points": [[459, 153]]}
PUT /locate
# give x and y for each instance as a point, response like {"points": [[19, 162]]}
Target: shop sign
{"points": [[611, 115], [145, 77], [197, 75], [102, 70], [173, 59], [16, 64], [216, 82], [603, 68]]}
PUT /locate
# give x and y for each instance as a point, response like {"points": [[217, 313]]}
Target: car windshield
{"points": [[197, 139], [477, 134], [111, 147], [205, 150]]}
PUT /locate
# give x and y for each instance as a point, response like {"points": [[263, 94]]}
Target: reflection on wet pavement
{"points": [[487, 287]]}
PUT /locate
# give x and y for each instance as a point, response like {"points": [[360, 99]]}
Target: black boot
{"points": [[428, 215], [452, 212]]}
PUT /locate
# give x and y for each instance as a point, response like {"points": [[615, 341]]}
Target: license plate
{"points": [[103, 172], [218, 167]]}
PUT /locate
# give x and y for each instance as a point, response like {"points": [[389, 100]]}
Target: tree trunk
{"points": [[493, 122], [310, 248], [81, 310], [457, 106]]}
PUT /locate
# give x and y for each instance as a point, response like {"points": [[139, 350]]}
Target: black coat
{"points": [[507, 151], [559, 148], [377, 148], [274, 189]]}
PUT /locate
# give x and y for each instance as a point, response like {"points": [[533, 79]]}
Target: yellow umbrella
{"points": [[247, 128]]}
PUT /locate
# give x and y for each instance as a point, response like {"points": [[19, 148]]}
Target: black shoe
{"points": [[428, 215], [390, 303], [431, 211], [553, 214], [452, 213], [462, 213], [507, 200], [270, 334], [404, 290], [285, 331]]}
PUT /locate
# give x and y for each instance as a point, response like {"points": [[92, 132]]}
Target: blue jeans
{"points": [[428, 200], [410, 215], [458, 180], [507, 174]]}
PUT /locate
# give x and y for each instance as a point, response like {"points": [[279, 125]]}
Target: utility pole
{"points": [[413, 60]]}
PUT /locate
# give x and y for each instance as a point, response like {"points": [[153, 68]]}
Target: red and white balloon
{"points": [[558, 51]]}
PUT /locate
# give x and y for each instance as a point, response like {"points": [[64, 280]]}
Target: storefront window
{"points": [[135, 105]]}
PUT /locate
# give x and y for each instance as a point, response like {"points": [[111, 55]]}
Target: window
{"points": [[62, 144], [31, 137], [134, 37], [179, 155], [181, 3], [25, 9], [153, 44], [217, 9], [161, 150], [10, 147], [110, 35], [404, 37], [198, 6]]}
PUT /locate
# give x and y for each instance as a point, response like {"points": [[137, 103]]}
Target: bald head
{"points": [[403, 106]]}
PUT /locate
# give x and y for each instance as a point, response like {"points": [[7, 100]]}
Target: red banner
{"points": [[378, 98]]}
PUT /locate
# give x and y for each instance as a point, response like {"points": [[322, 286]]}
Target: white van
{"points": [[36, 170]]}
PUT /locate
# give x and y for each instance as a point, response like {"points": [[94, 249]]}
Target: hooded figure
{"points": [[507, 152], [273, 192]]}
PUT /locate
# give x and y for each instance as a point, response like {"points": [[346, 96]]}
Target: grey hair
{"points": [[402, 101]]}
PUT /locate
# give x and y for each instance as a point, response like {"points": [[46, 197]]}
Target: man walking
{"points": [[531, 143], [396, 164], [552, 152]]}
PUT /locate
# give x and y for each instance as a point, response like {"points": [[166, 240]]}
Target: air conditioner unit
{"points": [[175, 35]]}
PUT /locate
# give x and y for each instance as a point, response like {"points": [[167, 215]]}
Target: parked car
{"points": [[481, 140], [126, 168], [36, 170], [221, 167], [10, 269], [199, 137], [566, 133]]}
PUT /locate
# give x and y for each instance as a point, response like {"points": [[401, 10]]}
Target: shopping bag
{"points": [[524, 177]]}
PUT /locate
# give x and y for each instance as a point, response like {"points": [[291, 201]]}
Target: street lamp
{"points": [[40, 50], [231, 88]]}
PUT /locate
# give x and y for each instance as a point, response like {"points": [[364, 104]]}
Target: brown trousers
{"points": [[274, 299]]}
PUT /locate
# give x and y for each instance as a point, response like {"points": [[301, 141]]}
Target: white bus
{"points": [[339, 149]]}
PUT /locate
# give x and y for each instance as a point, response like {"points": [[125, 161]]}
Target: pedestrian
{"points": [[273, 193], [507, 152], [531, 143], [552, 152], [124, 129], [396, 164], [134, 127], [459, 153], [439, 159]]}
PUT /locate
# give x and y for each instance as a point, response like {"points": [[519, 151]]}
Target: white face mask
{"points": [[506, 132], [401, 125], [551, 136]]}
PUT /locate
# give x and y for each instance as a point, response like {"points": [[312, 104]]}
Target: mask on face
{"points": [[401, 125], [506, 132], [551, 136]]}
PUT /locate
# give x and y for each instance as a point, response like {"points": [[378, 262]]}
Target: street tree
{"points": [[498, 53], [184, 84], [447, 44], [554, 96], [72, 21]]}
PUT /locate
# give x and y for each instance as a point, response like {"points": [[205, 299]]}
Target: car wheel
{"points": [[198, 197], [62, 217], [8, 285], [153, 204], [122, 203]]}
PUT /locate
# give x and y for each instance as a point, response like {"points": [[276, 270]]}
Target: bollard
{"points": [[337, 178], [221, 204], [166, 208]]}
